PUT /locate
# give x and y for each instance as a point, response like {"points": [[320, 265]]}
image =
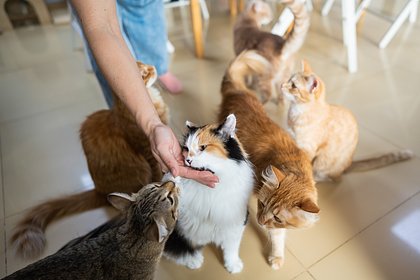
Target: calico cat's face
{"points": [[303, 87], [261, 12], [283, 209], [208, 147], [153, 209]]}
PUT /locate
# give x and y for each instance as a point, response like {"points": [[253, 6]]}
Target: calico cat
{"points": [[119, 159], [327, 133], [279, 51], [287, 197], [131, 249], [209, 215]]}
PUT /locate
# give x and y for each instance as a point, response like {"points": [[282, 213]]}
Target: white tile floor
{"points": [[370, 222]]}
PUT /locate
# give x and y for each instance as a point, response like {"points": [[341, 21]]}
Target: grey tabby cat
{"points": [[130, 249]]}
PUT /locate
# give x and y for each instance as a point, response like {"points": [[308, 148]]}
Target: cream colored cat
{"points": [[327, 133]]}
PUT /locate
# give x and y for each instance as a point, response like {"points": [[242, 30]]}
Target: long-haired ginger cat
{"points": [[327, 133], [278, 50], [287, 197], [119, 159]]}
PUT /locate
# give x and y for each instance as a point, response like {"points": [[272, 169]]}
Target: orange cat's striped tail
{"points": [[29, 235], [379, 161], [246, 65], [296, 37]]}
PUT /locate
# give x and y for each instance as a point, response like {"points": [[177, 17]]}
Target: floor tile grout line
{"points": [[4, 208], [365, 228]]}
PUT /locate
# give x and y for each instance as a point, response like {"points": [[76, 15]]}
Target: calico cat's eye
{"points": [[277, 219], [185, 148], [203, 147]]}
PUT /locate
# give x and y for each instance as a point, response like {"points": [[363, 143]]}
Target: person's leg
{"points": [[106, 89], [143, 22]]}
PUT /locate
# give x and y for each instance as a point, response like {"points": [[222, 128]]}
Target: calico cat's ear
{"points": [[306, 68], [157, 230], [228, 127], [191, 125], [313, 84], [148, 73], [273, 175], [121, 201], [309, 205]]}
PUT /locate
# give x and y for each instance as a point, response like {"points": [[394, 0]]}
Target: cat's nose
{"points": [[188, 161]]}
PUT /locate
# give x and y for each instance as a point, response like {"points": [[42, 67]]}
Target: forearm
{"points": [[100, 25]]}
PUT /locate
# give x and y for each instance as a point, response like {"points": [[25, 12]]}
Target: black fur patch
{"points": [[178, 245], [234, 151], [246, 217]]}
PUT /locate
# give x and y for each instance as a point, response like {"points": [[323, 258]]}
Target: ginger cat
{"points": [[327, 133], [119, 159], [287, 197], [279, 51]]}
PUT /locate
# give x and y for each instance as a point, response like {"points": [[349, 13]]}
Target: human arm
{"points": [[101, 28]]}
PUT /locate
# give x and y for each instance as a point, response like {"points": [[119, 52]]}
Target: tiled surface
{"points": [[45, 93], [388, 249]]}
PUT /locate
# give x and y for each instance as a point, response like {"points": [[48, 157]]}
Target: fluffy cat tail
{"points": [[296, 38], [247, 64], [379, 161], [29, 234]]}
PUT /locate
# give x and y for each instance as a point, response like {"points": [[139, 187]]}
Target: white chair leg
{"points": [[363, 5], [309, 5], [413, 14], [326, 8], [204, 10], [405, 13], [283, 23], [349, 33]]}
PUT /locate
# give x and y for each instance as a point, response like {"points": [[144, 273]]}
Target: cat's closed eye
{"points": [[277, 219], [185, 148]]}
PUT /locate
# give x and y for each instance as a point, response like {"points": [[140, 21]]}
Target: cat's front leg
{"points": [[278, 238], [230, 247]]}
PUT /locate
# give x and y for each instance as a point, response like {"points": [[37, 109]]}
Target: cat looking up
{"points": [[130, 249], [327, 133]]}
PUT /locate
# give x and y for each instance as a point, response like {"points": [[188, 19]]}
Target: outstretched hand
{"points": [[167, 151]]}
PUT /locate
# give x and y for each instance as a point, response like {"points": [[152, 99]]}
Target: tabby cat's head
{"points": [[283, 203], [304, 86], [153, 210], [209, 147], [260, 12]]}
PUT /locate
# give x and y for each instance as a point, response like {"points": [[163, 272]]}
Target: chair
{"points": [[39, 6]]}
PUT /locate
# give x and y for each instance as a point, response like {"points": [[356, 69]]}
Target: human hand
{"points": [[167, 151]]}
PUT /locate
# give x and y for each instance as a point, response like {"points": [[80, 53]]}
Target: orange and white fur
{"points": [[286, 192], [278, 50], [327, 133]]}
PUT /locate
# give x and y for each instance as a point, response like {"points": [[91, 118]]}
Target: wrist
{"points": [[150, 126]]}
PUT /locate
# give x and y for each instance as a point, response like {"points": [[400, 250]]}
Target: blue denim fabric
{"points": [[143, 27]]}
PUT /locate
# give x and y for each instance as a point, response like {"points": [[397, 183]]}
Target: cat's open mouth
{"points": [[202, 169]]}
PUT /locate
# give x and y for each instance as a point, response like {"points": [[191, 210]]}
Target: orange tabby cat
{"points": [[327, 133], [287, 197], [119, 159], [278, 50]]}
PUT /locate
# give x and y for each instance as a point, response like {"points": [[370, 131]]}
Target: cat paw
{"points": [[234, 266], [194, 261], [275, 262]]}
